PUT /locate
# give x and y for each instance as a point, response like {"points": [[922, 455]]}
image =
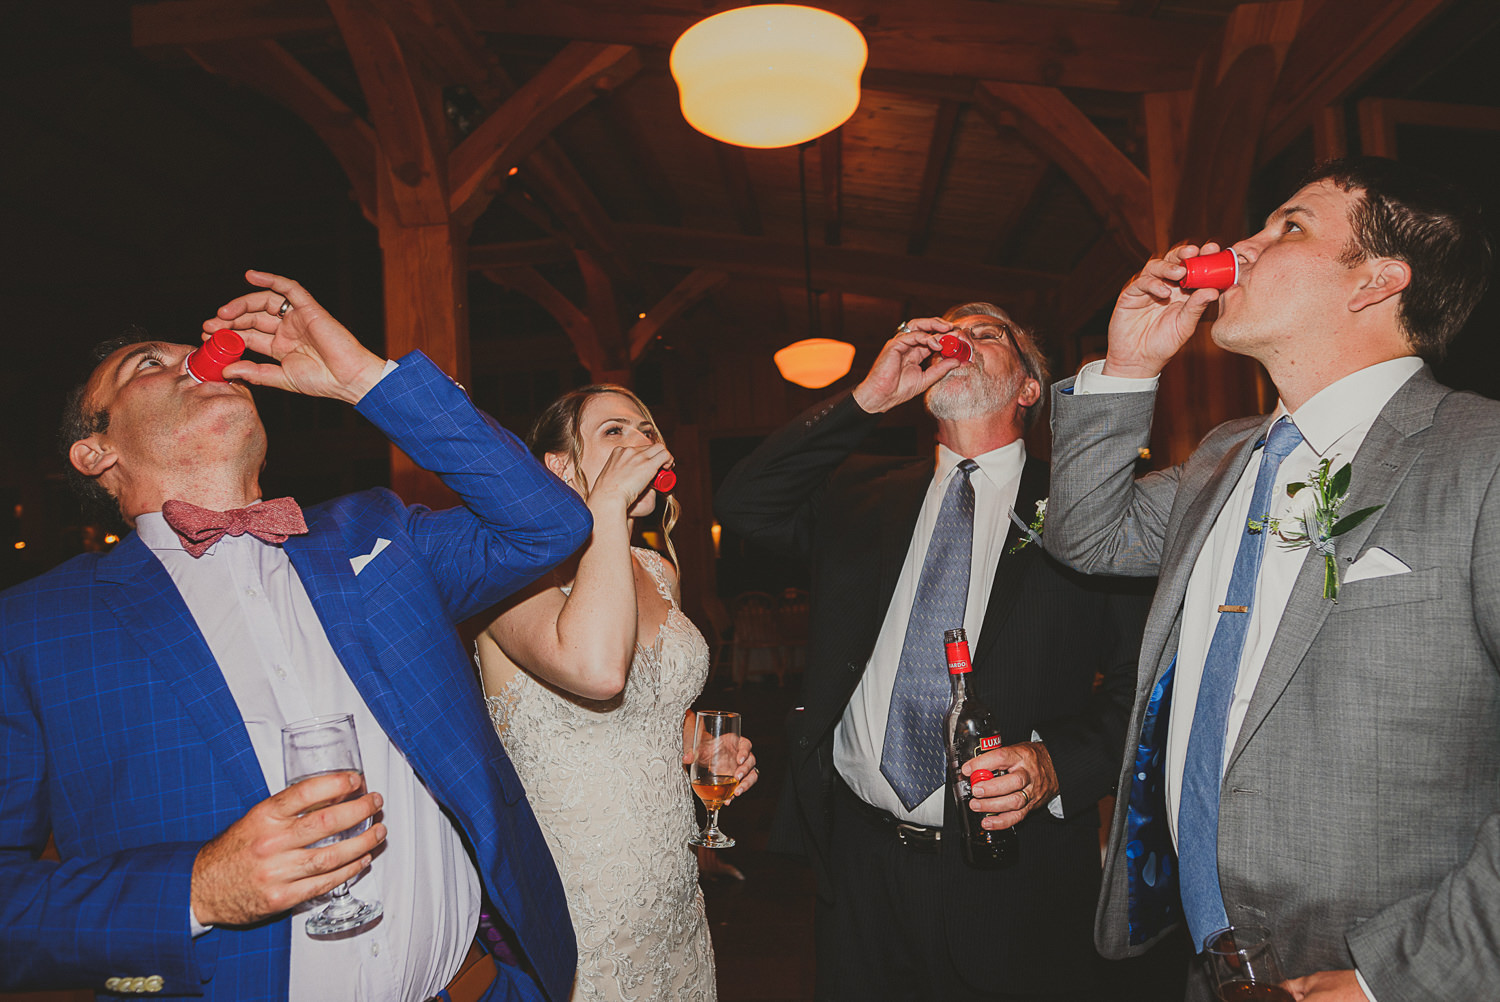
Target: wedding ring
{"points": [[903, 329], [286, 307], [1027, 801]]}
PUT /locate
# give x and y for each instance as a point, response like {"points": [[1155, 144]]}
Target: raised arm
{"points": [[773, 495], [516, 520], [1100, 518], [583, 639]]}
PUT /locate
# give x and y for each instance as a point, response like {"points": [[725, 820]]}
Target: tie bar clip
{"points": [[1234, 608]]}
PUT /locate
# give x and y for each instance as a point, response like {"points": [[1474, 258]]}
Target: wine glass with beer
{"points": [[716, 747], [314, 747], [1243, 966]]}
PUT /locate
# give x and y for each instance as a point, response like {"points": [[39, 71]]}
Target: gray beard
{"points": [[970, 392]]}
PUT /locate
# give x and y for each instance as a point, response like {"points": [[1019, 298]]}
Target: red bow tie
{"points": [[200, 528]]}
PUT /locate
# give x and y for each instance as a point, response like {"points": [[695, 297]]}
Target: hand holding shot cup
{"points": [[1160, 308]]}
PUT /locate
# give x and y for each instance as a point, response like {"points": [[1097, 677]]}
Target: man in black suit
{"points": [[901, 550]]}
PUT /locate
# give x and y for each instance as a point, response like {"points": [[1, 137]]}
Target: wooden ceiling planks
{"points": [[1000, 151]]}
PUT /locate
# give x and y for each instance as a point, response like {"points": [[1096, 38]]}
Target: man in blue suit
{"points": [[142, 693]]}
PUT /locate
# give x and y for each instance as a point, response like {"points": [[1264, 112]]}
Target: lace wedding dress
{"points": [[606, 781]]}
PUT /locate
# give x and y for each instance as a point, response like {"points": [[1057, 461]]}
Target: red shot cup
{"points": [[1212, 271], [665, 480], [206, 362], [953, 346]]}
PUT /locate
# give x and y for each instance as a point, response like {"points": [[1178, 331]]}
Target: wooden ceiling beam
{"points": [[628, 134], [939, 146], [698, 283], [604, 310], [869, 273], [406, 112], [270, 69], [520, 254], [185, 23], [1340, 44], [1093, 284], [1113, 185], [575, 322], [1024, 203], [509, 134], [438, 33], [978, 39]]}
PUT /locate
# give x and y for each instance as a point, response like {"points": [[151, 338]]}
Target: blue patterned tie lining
{"points": [[1154, 903]]}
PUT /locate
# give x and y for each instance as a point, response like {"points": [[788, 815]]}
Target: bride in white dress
{"points": [[588, 676]]}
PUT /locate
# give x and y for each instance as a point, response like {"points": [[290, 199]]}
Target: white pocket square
{"points": [[1374, 563], [358, 563]]}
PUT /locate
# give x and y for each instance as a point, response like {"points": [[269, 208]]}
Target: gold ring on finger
{"points": [[903, 329], [1026, 802]]}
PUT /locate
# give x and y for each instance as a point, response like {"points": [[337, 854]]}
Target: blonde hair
{"points": [[556, 429]]}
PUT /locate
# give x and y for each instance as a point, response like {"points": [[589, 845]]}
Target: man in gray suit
{"points": [[1324, 768]]}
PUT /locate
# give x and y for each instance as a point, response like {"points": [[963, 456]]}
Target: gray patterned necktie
{"points": [[913, 759]]}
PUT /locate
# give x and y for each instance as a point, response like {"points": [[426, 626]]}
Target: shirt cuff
{"points": [[1054, 806], [1362, 986], [391, 365], [197, 928], [1091, 379]]}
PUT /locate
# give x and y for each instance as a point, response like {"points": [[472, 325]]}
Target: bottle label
{"points": [[989, 743], [958, 657]]}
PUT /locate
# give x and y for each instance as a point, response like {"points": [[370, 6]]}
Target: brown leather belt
{"points": [[473, 979], [917, 838]]}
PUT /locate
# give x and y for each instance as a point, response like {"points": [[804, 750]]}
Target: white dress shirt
{"points": [[859, 738], [264, 633], [1333, 423]]}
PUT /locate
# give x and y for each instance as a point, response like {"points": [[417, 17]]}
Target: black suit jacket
{"points": [[1048, 633]]}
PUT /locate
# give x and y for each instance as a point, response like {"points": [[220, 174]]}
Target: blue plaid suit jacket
{"points": [[119, 735]]}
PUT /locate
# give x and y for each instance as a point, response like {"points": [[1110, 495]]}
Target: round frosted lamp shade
{"points": [[814, 363], [769, 75]]}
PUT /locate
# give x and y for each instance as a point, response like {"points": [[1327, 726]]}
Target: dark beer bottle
{"points": [[969, 731]]}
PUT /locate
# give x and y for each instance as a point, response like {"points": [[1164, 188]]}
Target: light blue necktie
{"points": [[914, 759], [1203, 772]]}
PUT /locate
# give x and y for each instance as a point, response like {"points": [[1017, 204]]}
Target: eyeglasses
{"points": [[989, 332], [997, 331]]}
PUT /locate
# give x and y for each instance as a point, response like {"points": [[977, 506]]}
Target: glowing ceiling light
{"points": [[769, 75]]}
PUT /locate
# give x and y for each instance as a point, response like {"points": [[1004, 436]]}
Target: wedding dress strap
{"points": [[655, 565]]}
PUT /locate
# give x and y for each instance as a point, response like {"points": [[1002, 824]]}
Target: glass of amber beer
{"points": [[1243, 966], [716, 753]]}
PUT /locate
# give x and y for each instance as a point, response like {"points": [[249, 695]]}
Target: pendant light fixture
{"points": [[769, 75]]}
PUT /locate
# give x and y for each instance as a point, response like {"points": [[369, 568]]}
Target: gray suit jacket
{"points": [[1359, 815]]}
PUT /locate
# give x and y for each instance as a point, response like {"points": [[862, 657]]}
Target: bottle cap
{"points": [[979, 776], [1212, 271], [206, 362], [665, 480], [953, 346], [957, 651]]}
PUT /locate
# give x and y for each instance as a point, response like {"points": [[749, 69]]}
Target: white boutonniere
{"points": [[1033, 532], [1320, 520]]}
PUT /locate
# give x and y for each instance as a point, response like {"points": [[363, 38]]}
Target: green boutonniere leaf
{"points": [[1348, 522], [1340, 485], [1321, 524]]}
